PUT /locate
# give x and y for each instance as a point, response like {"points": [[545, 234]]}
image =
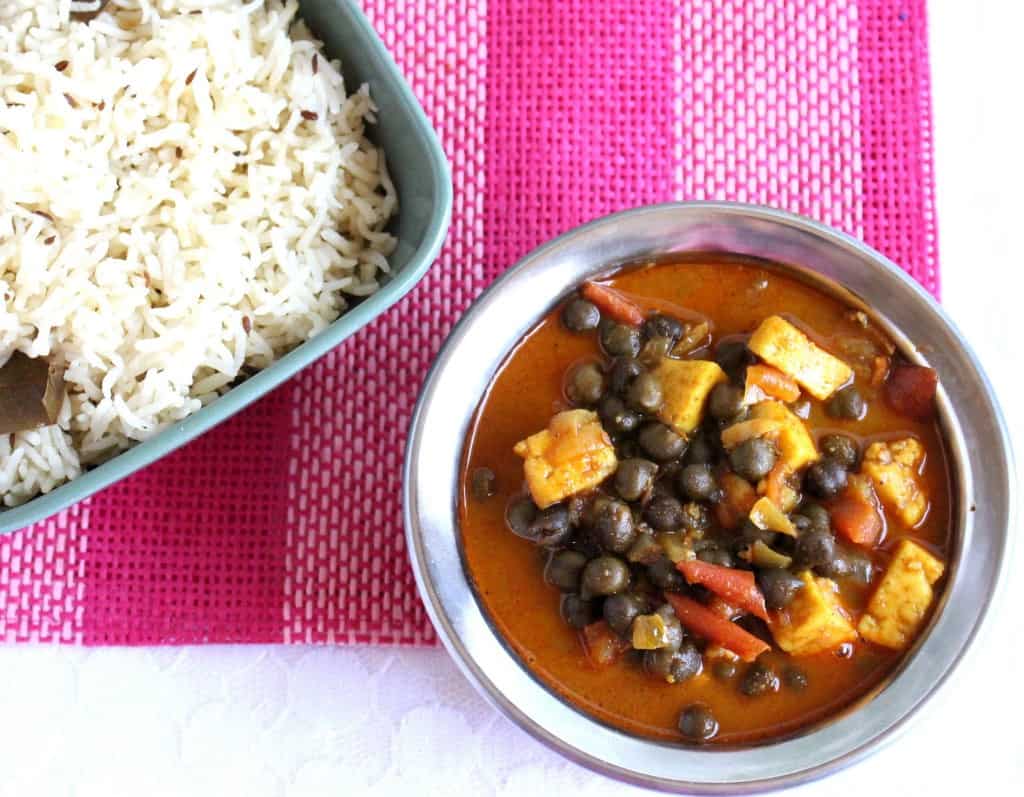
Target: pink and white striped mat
{"points": [[283, 525]]}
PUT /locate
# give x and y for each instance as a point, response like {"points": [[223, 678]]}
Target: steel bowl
{"points": [[978, 450]]}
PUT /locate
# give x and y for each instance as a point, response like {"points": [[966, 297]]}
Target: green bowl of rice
{"points": [[199, 200]]}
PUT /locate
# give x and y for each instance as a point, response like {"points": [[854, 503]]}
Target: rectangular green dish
{"points": [[422, 178]]}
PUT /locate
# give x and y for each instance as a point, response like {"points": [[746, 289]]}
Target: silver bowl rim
{"points": [[451, 613]]}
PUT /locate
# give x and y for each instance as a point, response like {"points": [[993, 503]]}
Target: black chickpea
{"points": [[725, 402], [847, 403], [697, 483], [563, 570], [616, 416], [753, 459], [751, 533], [794, 678], [825, 478], [634, 478], [645, 550], [859, 567], [800, 523], [579, 315], [550, 528], [520, 513], [733, 356], [613, 527], [715, 555], [622, 372], [778, 586], [697, 723], [836, 567], [644, 394], [815, 549], [620, 340], [817, 515], [585, 385], [576, 611], [840, 448], [701, 451], [663, 326], [664, 513], [628, 448], [674, 666], [663, 574], [483, 483], [661, 443], [759, 680], [621, 610], [605, 575]]}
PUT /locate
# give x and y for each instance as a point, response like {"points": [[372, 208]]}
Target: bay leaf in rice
{"points": [[31, 393]]}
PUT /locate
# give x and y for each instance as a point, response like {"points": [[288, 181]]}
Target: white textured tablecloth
{"points": [[263, 720]]}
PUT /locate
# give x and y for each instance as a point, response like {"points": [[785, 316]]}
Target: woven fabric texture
{"points": [[283, 525]]}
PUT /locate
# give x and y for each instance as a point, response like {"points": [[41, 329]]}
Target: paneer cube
{"points": [[814, 621], [685, 385], [795, 443], [900, 603], [893, 467], [781, 344], [572, 455]]}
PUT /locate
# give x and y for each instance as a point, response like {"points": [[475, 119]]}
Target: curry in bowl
{"points": [[704, 501]]}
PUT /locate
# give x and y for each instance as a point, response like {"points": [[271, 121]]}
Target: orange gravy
{"points": [[506, 570]]}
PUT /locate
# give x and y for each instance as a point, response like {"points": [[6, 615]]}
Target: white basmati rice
{"points": [[186, 193]]}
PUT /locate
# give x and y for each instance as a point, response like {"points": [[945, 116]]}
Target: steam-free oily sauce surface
{"points": [[506, 570]]}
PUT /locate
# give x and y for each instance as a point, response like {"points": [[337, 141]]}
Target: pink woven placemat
{"points": [[283, 525]]}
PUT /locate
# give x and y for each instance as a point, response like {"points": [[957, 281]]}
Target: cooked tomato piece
{"points": [[772, 382], [735, 586], [613, 304], [714, 628], [856, 513], [910, 390], [602, 645]]}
